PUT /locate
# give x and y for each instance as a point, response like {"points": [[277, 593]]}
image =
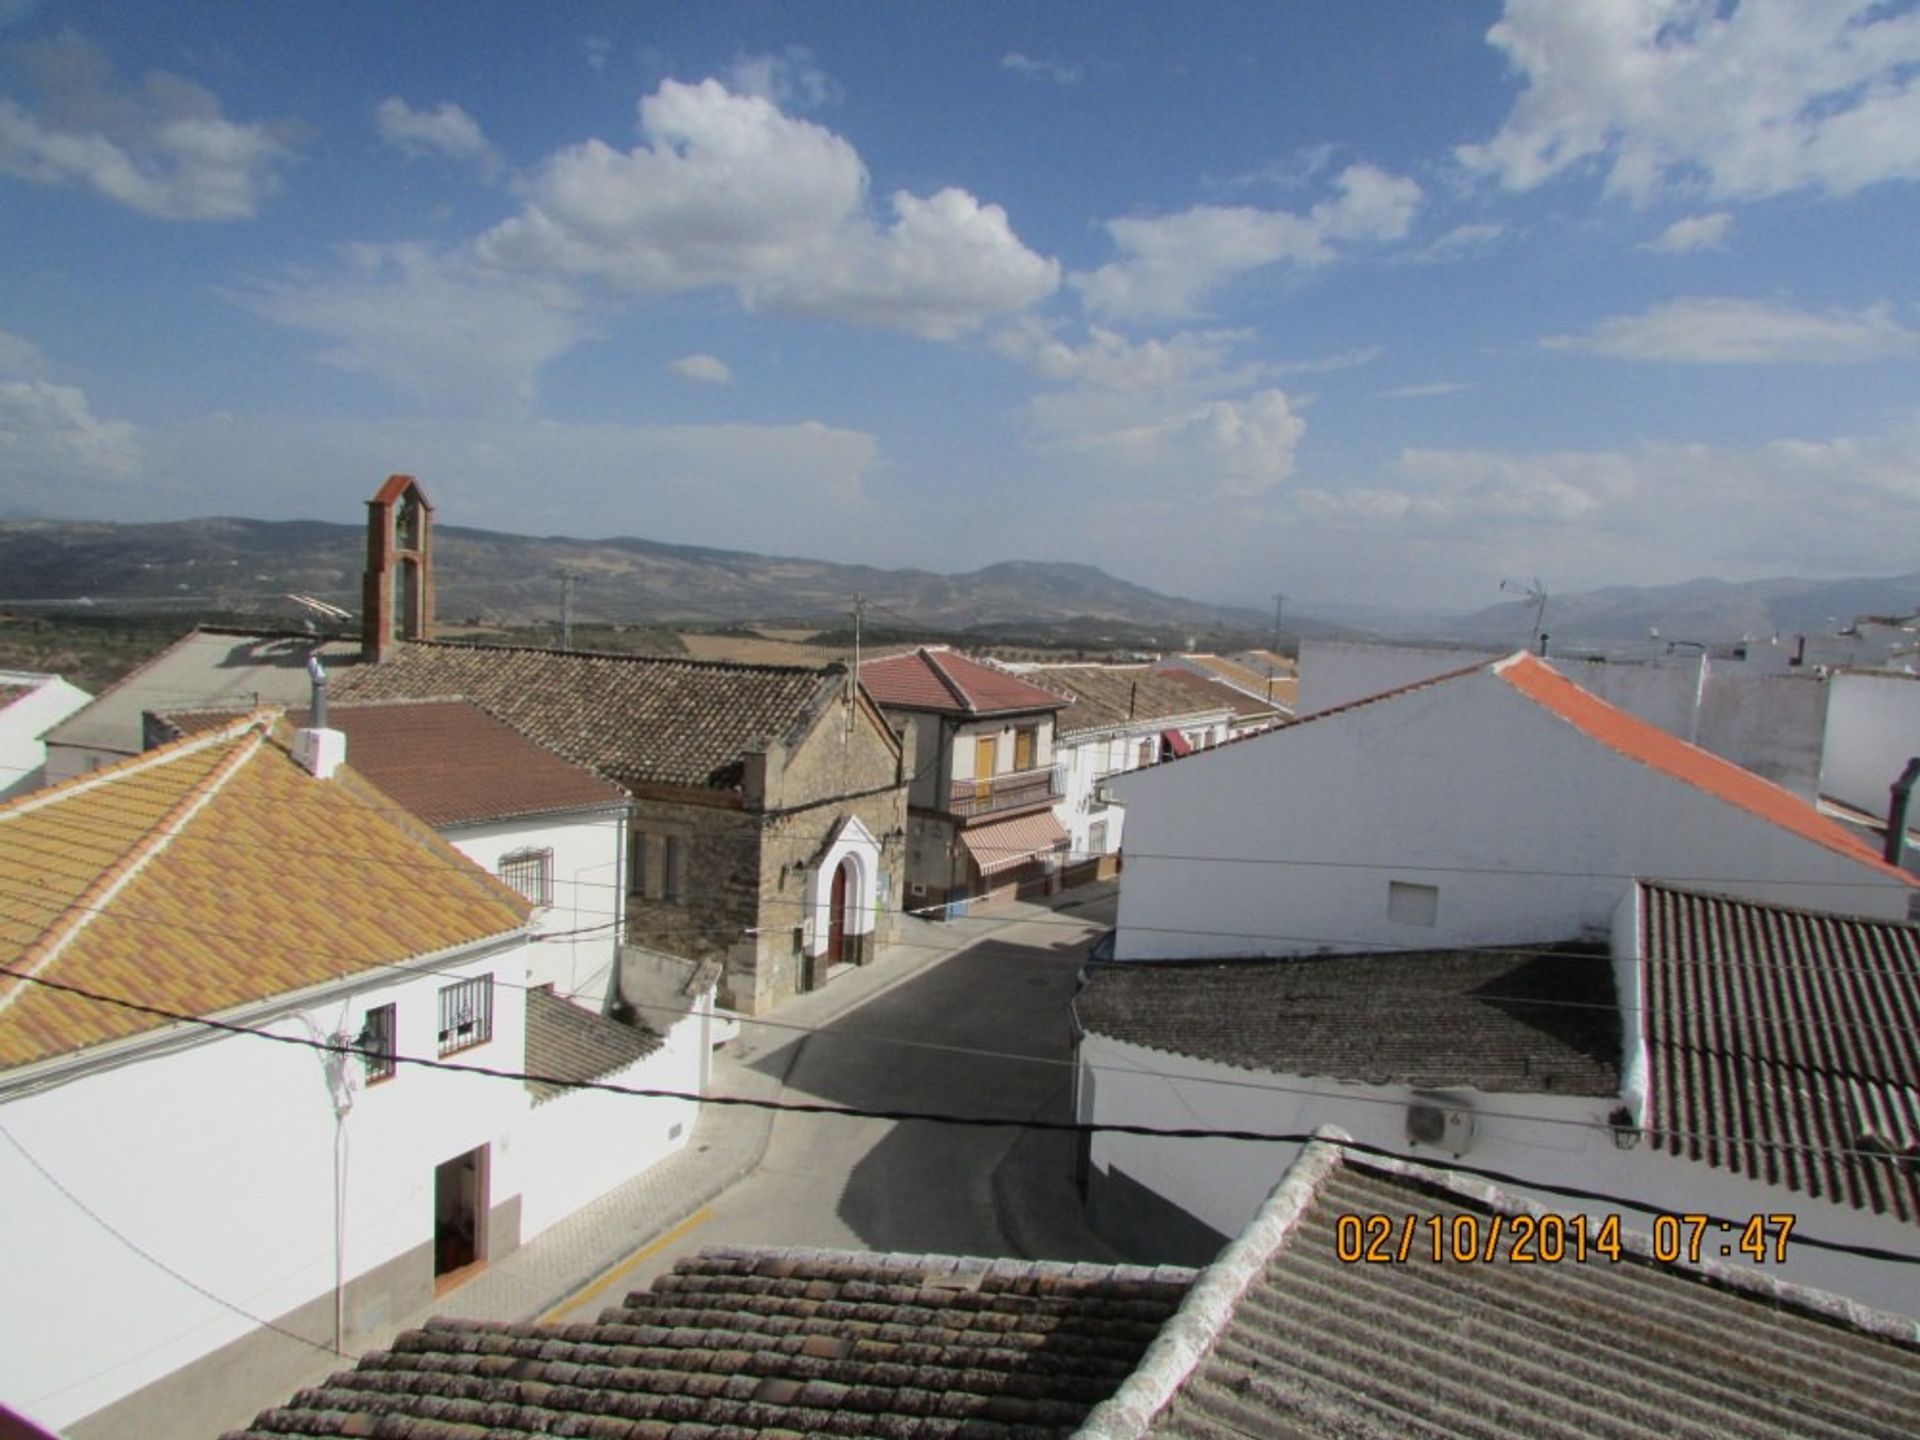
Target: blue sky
{"points": [[1364, 302]]}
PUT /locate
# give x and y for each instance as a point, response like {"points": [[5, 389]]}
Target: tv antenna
{"points": [[1536, 596]]}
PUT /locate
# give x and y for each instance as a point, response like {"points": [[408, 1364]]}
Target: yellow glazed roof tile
{"points": [[211, 874]]}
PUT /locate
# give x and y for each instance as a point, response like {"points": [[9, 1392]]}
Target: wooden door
{"points": [[985, 750], [837, 914]]}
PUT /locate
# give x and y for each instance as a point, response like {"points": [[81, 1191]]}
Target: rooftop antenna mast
{"points": [[1535, 595], [567, 581]]}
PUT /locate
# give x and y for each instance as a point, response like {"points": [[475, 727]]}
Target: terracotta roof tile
{"points": [[1442, 1017], [942, 680], [449, 761], [1784, 1045], [1654, 747], [565, 1042], [1208, 693], [1282, 1338], [210, 874], [1105, 696], [740, 1343], [636, 719]]}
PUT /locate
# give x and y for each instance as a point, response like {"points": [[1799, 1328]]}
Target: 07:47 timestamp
{"points": [[1686, 1237]]}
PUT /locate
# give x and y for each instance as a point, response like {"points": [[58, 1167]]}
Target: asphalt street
{"points": [[982, 1032]]}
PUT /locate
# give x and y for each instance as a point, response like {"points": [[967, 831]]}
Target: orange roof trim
{"points": [[1636, 739]]}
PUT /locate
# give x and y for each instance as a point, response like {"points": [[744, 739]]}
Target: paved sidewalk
{"points": [[728, 1140]]}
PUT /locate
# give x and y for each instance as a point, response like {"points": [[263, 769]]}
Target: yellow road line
{"points": [[581, 1297]]}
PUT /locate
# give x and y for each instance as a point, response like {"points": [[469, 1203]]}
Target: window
{"points": [[1413, 904], [466, 1014], [376, 1044], [670, 869], [1149, 750], [637, 865], [531, 873], [1097, 838]]}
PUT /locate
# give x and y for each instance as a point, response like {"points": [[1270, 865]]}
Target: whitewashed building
{"points": [[1754, 1065], [300, 1174], [31, 704], [1123, 717], [1501, 804]]}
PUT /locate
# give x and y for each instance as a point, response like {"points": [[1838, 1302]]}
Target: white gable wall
{"points": [[1873, 729], [23, 752], [222, 1163], [1525, 829], [589, 885]]}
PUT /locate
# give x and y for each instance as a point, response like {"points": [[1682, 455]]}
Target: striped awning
{"points": [[1003, 844], [1177, 743]]}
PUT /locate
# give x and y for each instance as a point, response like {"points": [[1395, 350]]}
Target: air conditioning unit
{"points": [[1442, 1126]]}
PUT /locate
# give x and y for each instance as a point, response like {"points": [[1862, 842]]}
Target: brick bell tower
{"points": [[396, 598]]}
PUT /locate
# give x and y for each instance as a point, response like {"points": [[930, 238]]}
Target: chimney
{"points": [[1899, 811], [319, 750]]}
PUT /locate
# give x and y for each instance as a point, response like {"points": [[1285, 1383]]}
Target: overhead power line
{"points": [[929, 1117]]}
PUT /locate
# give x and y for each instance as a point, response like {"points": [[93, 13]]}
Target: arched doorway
{"points": [[837, 912]]}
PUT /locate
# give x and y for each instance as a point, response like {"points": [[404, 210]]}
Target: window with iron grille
{"points": [[376, 1044], [531, 873], [466, 1014]]}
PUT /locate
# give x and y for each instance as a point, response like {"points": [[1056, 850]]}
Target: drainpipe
{"points": [[1899, 810]]}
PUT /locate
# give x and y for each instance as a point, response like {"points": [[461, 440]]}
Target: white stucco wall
{"points": [[1084, 760], [589, 885], [1873, 729], [1771, 724], [966, 740], [852, 841], [583, 1144], [1528, 830], [1563, 1140], [222, 1162], [23, 752]]}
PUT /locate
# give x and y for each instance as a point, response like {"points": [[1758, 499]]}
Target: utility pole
{"points": [[1273, 650], [853, 680]]}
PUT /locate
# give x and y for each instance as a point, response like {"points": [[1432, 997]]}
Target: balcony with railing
{"points": [[1015, 790]]}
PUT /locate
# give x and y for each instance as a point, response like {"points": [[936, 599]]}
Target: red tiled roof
{"points": [[396, 486], [1651, 746], [952, 684], [450, 762]]}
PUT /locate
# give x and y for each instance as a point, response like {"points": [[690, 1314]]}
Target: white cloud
{"points": [[1059, 71], [51, 442], [1109, 361], [165, 149], [944, 266], [705, 368], [1647, 515], [727, 190], [790, 79], [19, 357], [1706, 330], [1171, 263], [448, 131], [434, 325], [1463, 241], [1754, 100], [1696, 232]]}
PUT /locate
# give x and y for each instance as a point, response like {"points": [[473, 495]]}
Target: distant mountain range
{"points": [[248, 567], [1703, 610]]}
